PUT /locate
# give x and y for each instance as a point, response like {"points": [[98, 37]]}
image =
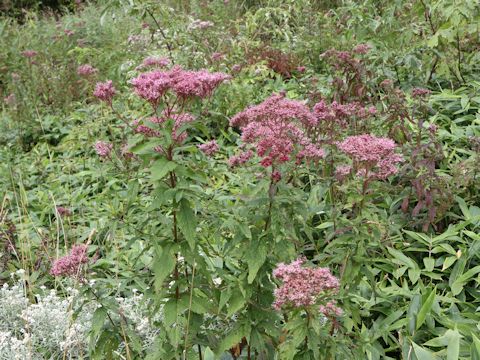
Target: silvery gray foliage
{"points": [[52, 328]]}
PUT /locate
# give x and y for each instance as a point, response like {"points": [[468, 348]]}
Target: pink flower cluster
{"points": [[105, 91], [331, 309], [199, 24], [179, 120], [86, 70], [29, 53], [277, 128], [302, 286], [70, 265], [375, 157], [209, 148], [240, 158], [103, 148], [152, 85], [362, 49], [217, 56], [144, 129], [156, 61], [10, 100], [420, 92], [339, 114], [63, 211]]}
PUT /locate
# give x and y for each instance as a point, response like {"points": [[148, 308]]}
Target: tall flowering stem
{"points": [[277, 129], [169, 92], [373, 158]]}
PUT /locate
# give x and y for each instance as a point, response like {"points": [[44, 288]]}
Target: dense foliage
{"points": [[218, 179]]}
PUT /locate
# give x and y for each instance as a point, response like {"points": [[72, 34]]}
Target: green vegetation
{"points": [[236, 137]]}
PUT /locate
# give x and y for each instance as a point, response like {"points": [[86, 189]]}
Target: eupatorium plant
{"points": [[277, 128], [303, 286]]}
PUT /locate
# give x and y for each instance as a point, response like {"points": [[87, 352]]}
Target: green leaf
{"points": [[412, 311], [208, 354], [98, 320], [475, 348], [448, 262], [187, 222], [233, 337], [255, 258], [422, 353], [170, 311], [453, 348], [237, 301], [162, 167], [429, 263], [163, 265], [425, 309], [460, 282], [325, 225]]}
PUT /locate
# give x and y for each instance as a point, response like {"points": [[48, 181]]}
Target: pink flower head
{"points": [[217, 56], [70, 265], [179, 120], [29, 53], [199, 24], [103, 148], [86, 70], [126, 153], [277, 128], [105, 91], [156, 61], [10, 100], [302, 286], [342, 171], [387, 83], [236, 68], [372, 153], [209, 148], [240, 158], [144, 129], [420, 92], [63, 211], [301, 69], [197, 83], [330, 309], [362, 49], [151, 86]]}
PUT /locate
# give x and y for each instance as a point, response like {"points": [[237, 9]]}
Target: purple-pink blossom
{"points": [[209, 148], [156, 61], [330, 309], [10, 100], [70, 265], [342, 171], [277, 129], [362, 49], [217, 56], [105, 91], [374, 157], [302, 286], [240, 158], [86, 70], [420, 92], [153, 85], [103, 148], [29, 53], [63, 211]]}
